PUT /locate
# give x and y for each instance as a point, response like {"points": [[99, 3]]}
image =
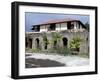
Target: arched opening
{"points": [[87, 39], [45, 46], [26, 42], [37, 42], [30, 43], [88, 49], [46, 43], [55, 43], [65, 41]]}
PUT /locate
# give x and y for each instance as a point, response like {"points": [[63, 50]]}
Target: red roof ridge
{"points": [[57, 21]]}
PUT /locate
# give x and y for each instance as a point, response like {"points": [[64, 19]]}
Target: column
{"points": [[33, 43]]}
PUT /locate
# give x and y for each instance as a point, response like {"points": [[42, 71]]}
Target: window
{"points": [[52, 27]]}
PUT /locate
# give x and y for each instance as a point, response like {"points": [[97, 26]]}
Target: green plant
{"points": [[56, 37], [64, 50], [75, 43], [60, 50], [45, 40]]}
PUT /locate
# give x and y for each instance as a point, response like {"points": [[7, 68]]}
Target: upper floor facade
{"points": [[59, 26]]}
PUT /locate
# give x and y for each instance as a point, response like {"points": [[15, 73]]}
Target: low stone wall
{"points": [[36, 37]]}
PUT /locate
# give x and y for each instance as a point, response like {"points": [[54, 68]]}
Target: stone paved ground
{"points": [[53, 60]]}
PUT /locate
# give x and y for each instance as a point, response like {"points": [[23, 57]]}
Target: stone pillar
{"points": [[61, 43], [49, 46], [28, 45], [41, 44], [33, 43]]}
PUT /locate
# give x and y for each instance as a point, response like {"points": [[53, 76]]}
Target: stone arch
{"points": [[30, 42], [55, 43], [65, 41], [37, 42], [46, 45], [26, 42]]}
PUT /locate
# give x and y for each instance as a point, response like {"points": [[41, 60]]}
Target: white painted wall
{"points": [[75, 27], [42, 28], [63, 26], [80, 26], [58, 27], [47, 26]]}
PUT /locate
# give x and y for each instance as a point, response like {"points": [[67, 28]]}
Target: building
{"points": [[68, 28]]}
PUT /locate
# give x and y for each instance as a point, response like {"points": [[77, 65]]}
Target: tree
{"points": [[75, 43], [45, 41], [87, 25], [56, 37]]}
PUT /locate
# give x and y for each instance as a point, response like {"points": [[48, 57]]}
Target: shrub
{"points": [[75, 43], [60, 50], [64, 50]]}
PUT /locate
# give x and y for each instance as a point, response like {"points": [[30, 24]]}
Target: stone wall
{"points": [[67, 34]]}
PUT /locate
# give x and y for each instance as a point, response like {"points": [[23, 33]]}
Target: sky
{"points": [[33, 18]]}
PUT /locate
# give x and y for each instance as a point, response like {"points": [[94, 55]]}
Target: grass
{"points": [[61, 51]]}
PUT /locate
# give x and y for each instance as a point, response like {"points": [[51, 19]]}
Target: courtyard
{"points": [[54, 60]]}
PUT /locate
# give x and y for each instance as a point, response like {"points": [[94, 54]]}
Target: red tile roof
{"points": [[57, 21]]}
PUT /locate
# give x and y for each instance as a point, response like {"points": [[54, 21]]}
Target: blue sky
{"points": [[32, 18]]}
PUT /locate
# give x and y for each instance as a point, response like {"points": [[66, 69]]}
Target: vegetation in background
{"points": [[45, 41], [56, 37], [87, 26], [75, 44]]}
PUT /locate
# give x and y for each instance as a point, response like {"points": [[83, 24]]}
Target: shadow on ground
{"points": [[33, 63]]}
